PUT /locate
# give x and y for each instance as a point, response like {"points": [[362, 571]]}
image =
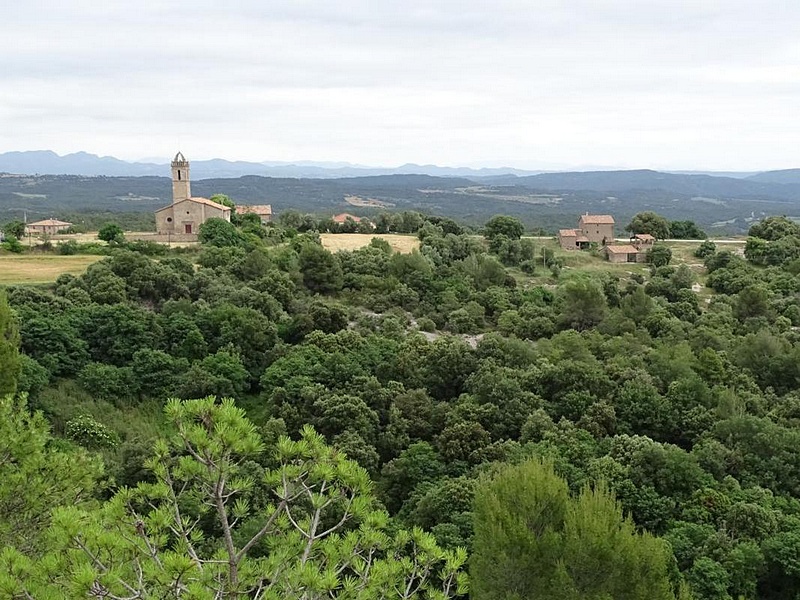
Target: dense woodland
{"points": [[424, 425]]}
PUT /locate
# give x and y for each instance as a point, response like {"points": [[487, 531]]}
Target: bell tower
{"points": [[180, 179]]}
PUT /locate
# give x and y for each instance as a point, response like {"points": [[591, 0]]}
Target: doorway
{"points": [[187, 228]]}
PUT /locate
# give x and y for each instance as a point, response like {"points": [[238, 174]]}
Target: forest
{"points": [[262, 418]]}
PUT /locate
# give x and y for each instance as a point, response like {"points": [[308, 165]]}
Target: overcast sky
{"points": [[677, 84]]}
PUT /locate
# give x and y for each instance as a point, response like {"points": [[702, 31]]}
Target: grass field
{"points": [[15, 269], [353, 241]]}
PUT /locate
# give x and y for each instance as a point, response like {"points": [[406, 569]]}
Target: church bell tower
{"points": [[180, 179]]}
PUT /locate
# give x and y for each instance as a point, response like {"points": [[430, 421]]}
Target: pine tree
{"points": [[532, 540]]}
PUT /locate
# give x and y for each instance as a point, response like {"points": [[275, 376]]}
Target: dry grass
{"points": [[16, 269], [353, 241]]}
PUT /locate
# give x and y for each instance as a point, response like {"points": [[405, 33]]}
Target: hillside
{"points": [[543, 201], [785, 176], [695, 185]]}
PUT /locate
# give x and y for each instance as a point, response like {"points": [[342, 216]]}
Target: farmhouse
{"points": [[264, 211], [342, 218], [635, 251], [570, 239], [186, 213], [46, 227], [622, 253], [598, 229]]}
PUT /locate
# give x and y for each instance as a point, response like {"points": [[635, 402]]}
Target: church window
{"points": [[179, 174], [169, 219]]}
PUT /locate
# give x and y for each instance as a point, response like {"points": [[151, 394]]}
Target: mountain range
{"points": [[46, 162]]}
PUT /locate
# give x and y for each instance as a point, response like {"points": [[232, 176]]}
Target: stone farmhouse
{"points": [[597, 229], [186, 213], [635, 251], [342, 218], [46, 227], [264, 211]]}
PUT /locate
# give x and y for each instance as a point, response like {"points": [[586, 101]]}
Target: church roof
{"points": [[198, 200], [179, 157]]}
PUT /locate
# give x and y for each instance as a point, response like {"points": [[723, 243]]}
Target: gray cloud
{"points": [[669, 84]]}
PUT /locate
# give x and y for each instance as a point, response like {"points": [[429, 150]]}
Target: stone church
{"points": [[186, 213]]}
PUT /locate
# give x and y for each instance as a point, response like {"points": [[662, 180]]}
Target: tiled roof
{"points": [[567, 232], [256, 209], [624, 249], [644, 236], [49, 223], [205, 201], [598, 219], [343, 217]]}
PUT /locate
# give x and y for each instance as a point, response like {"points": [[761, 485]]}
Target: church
{"points": [[186, 213]]}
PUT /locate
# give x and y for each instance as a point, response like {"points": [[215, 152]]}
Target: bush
{"points": [[705, 249], [426, 324], [67, 248], [12, 244], [88, 432], [108, 382]]}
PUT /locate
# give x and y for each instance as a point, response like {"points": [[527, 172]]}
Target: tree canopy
{"points": [[649, 222]]}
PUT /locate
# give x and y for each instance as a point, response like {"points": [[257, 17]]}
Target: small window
{"points": [[187, 212], [179, 174], [169, 219]]}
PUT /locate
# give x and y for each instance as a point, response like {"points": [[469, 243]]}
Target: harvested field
{"points": [[353, 241], [16, 269]]}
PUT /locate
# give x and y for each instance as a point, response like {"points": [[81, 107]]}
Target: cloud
{"points": [[679, 84]]}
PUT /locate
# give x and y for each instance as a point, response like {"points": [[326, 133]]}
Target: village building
{"points": [[597, 229], [572, 239], [342, 218], [643, 241], [625, 253], [635, 251], [186, 213], [46, 227], [264, 211]]}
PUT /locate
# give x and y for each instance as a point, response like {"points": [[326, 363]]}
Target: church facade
{"points": [[186, 213]]}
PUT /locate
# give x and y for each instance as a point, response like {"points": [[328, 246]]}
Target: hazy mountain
{"points": [[81, 163], [790, 176], [45, 162]]}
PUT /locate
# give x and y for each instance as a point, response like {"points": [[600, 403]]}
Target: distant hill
{"points": [[626, 181], [785, 176], [547, 201]]}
